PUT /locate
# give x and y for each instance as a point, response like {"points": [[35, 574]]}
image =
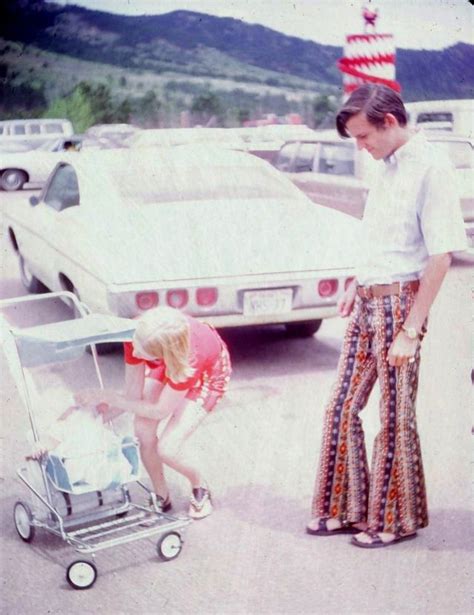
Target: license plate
{"points": [[267, 302]]}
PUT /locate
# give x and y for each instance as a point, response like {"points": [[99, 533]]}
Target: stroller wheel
{"points": [[81, 574], [23, 519], [169, 546]]}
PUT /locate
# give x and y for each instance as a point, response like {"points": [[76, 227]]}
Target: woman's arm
{"points": [[169, 399], [145, 397]]}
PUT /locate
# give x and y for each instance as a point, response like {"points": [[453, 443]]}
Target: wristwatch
{"points": [[411, 332]]}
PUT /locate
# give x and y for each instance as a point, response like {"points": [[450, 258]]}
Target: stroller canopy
{"points": [[66, 340]]}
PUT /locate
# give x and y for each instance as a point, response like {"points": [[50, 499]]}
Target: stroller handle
{"points": [[61, 294]]}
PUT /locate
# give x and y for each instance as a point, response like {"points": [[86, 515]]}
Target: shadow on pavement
{"points": [[450, 530]]}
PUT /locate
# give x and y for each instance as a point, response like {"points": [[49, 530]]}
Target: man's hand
{"points": [[345, 305], [402, 350]]}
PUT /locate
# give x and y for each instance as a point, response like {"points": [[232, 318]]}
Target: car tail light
{"points": [[327, 288], [146, 301], [206, 296], [177, 298], [348, 282]]}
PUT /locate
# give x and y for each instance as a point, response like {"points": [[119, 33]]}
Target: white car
{"points": [[332, 172], [217, 233], [34, 166]]}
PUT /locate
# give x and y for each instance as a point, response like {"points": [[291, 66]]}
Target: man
{"points": [[412, 223]]}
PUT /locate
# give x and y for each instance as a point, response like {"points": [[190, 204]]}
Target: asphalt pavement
{"points": [[259, 452]]}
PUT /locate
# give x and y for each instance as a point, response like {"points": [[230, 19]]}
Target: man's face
{"points": [[378, 141]]}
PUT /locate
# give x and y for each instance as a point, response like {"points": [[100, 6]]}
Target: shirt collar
{"points": [[408, 150]]}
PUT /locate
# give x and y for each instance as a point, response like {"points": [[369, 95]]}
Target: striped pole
{"points": [[368, 58]]}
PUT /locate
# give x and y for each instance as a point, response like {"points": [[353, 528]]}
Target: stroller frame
{"points": [[108, 525]]}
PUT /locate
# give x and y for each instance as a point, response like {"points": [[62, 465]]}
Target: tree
{"points": [[206, 107], [76, 107], [89, 104], [148, 109], [323, 110]]}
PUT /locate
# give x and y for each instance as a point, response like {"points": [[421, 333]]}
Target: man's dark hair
{"points": [[375, 101]]}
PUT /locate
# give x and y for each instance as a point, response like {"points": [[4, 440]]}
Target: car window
{"points": [[336, 159], [53, 129], [285, 156], [460, 152], [305, 157], [63, 190], [34, 129], [19, 129], [435, 120]]}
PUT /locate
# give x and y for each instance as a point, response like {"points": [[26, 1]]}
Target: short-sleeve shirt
{"points": [[209, 358], [412, 212]]}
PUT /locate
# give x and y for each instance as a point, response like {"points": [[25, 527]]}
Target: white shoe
{"points": [[200, 504]]}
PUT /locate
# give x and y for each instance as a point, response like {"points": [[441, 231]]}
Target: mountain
{"points": [[189, 43]]}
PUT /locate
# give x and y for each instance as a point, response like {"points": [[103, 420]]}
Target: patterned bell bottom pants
{"points": [[392, 497]]}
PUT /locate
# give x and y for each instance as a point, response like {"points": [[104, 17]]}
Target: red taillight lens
{"points": [[327, 288], [206, 296], [177, 298], [348, 282], [146, 301]]}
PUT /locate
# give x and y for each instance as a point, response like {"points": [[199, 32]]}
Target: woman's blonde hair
{"points": [[164, 332]]}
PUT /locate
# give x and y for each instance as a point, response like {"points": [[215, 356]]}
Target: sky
{"points": [[416, 24]]}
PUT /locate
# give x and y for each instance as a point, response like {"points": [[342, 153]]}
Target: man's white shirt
{"points": [[412, 212]]}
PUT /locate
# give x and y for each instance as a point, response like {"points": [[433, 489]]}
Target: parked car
{"points": [[455, 116], [35, 165], [331, 171], [461, 152], [217, 233], [166, 137], [115, 133], [31, 133]]}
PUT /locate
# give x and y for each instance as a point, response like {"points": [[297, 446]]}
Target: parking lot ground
{"points": [[259, 453]]}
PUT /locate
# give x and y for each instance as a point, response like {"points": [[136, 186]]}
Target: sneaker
{"points": [[162, 505], [200, 504]]}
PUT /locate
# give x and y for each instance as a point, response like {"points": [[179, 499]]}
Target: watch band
{"points": [[411, 332]]}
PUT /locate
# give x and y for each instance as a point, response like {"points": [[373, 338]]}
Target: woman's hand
{"points": [[91, 397], [345, 305]]}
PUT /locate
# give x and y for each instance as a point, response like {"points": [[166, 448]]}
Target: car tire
{"points": [[32, 284], [12, 179], [305, 328]]}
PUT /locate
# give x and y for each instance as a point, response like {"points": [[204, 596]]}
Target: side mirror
{"points": [[34, 200]]}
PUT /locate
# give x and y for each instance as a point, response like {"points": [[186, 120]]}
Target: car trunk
{"points": [[182, 241]]}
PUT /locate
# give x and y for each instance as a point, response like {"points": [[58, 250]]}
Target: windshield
{"points": [[191, 182]]}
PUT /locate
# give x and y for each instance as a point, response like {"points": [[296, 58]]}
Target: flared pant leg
{"points": [[397, 498], [342, 481]]}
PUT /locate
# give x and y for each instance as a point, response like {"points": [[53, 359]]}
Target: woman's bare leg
{"points": [[145, 430], [171, 446]]}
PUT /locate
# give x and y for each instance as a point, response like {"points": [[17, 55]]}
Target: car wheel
{"points": [[306, 328], [13, 179], [32, 284]]}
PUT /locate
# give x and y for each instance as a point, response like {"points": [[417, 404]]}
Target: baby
{"points": [[83, 452]]}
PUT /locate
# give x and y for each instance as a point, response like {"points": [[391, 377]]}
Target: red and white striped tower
{"points": [[368, 57]]}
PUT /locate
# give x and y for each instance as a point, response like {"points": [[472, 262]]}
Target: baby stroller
{"points": [[90, 514]]}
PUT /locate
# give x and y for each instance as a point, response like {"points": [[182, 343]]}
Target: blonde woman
{"points": [[176, 368]]}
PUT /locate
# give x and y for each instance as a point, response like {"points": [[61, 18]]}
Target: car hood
{"points": [[182, 241]]}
